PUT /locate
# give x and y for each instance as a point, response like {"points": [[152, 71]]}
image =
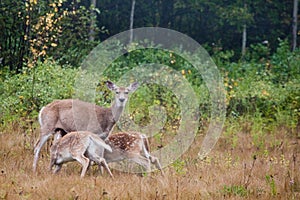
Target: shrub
{"points": [[23, 94]]}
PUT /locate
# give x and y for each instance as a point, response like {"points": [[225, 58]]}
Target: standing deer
{"points": [[82, 146], [64, 116], [133, 146]]}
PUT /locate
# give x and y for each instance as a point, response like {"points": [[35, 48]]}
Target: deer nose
{"points": [[122, 99]]}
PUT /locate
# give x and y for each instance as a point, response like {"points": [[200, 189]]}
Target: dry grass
{"points": [[230, 172]]}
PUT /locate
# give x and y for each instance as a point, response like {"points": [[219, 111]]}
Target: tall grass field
{"points": [[256, 157]]}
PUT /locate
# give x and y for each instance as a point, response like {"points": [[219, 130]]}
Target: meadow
{"points": [[233, 170], [256, 157]]}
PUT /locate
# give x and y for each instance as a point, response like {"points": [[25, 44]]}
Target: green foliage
{"points": [[208, 22], [150, 94], [233, 127], [265, 85], [74, 42], [179, 167], [256, 87], [235, 190], [36, 30], [258, 52], [23, 94], [271, 182], [63, 29], [285, 64], [13, 46], [236, 15]]}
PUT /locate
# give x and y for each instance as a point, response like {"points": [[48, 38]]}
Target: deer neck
{"points": [[116, 111]]}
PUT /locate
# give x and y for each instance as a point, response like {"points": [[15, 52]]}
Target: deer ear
{"points": [[111, 85], [133, 86]]}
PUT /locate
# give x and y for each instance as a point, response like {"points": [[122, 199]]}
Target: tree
{"points": [[237, 16], [14, 17], [93, 20], [244, 40], [66, 30], [131, 21], [294, 24]]}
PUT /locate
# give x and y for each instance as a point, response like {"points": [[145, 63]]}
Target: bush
{"points": [[268, 85], [23, 94]]}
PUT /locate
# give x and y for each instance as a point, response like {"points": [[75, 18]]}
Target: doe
{"points": [[64, 116]]}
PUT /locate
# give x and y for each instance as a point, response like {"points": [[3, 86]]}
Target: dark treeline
{"points": [[66, 30], [216, 22]]}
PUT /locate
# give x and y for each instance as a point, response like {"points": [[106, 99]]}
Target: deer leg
{"points": [[39, 144], [102, 163], [84, 161], [52, 163], [155, 161], [100, 166], [57, 168], [101, 169]]}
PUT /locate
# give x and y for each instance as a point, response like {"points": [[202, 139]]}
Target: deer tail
{"points": [[100, 142], [40, 116]]}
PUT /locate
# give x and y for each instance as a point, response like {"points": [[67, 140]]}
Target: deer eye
{"points": [[117, 92], [125, 92]]}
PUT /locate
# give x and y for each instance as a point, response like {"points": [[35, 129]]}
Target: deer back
{"points": [[75, 115], [129, 141]]}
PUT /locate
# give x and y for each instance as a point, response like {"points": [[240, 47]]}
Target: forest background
{"points": [[253, 43]]}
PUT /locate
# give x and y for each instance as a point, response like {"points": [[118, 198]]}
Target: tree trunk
{"points": [[244, 40], [93, 21], [131, 21], [295, 16]]}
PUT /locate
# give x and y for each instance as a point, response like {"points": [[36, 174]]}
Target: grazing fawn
{"points": [[63, 116], [82, 146], [133, 146]]}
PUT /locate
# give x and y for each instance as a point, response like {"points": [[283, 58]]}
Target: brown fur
{"points": [[63, 116], [82, 146], [133, 146]]}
